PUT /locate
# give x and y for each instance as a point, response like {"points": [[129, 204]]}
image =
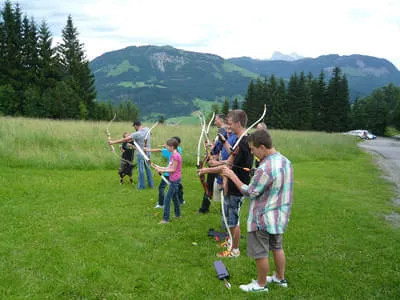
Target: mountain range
{"points": [[162, 80]]}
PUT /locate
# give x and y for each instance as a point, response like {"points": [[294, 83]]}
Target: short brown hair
{"points": [[172, 142], [220, 116], [238, 115], [261, 137]]}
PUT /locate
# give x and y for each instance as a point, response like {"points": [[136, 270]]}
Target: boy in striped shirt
{"points": [[270, 192]]}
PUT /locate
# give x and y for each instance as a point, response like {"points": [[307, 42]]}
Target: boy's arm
{"points": [[213, 162], [123, 140], [152, 150], [170, 169], [225, 171]]}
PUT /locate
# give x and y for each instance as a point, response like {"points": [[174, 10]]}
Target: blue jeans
{"points": [[172, 194], [142, 167], [161, 189]]}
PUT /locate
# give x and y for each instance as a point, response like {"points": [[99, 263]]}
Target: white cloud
{"points": [[231, 28]]}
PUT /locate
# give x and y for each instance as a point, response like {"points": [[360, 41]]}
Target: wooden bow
{"points": [[109, 133], [207, 144], [200, 163], [146, 137]]}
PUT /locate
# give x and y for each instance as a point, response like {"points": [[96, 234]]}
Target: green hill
{"points": [[172, 82], [165, 80]]}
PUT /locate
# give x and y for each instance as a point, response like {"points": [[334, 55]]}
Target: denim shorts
{"points": [[260, 242], [232, 205]]}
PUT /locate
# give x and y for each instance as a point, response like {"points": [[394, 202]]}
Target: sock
{"points": [[236, 251]]}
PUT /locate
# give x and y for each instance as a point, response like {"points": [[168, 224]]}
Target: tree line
{"points": [[41, 81], [308, 103]]}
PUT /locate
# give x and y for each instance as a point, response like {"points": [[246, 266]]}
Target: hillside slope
{"points": [[172, 82], [166, 80]]}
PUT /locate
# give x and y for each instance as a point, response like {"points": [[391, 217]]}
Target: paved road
{"points": [[387, 151]]}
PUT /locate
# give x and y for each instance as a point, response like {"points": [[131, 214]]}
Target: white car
{"points": [[362, 134]]}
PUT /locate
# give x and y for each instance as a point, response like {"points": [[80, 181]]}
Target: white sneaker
{"points": [[159, 206], [253, 287], [273, 279]]}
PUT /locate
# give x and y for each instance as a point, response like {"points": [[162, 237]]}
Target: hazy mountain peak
{"points": [[287, 57]]}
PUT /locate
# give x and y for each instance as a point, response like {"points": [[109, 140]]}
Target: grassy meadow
{"points": [[69, 230]]}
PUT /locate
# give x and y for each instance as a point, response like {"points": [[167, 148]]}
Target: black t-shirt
{"points": [[129, 153], [243, 159]]}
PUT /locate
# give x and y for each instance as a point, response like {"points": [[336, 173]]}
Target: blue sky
{"points": [[232, 28]]}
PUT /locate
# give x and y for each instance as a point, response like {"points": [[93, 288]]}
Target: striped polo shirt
{"points": [[271, 193]]}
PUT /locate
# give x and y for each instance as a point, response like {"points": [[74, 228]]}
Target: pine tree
{"points": [[281, 107], [249, 100], [305, 106], [266, 98], [391, 96], [338, 103], [262, 98], [225, 106], [254, 103], [235, 104], [49, 69], [318, 102], [378, 110], [272, 118], [29, 51], [54, 99], [343, 106], [48, 64], [29, 62], [299, 103], [8, 99], [359, 114], [292, 104], [377, 113], [3, 52], [76, 70], [11, 62]]}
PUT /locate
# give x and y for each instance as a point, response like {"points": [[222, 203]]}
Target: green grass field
{"points": [[69, 230]]}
